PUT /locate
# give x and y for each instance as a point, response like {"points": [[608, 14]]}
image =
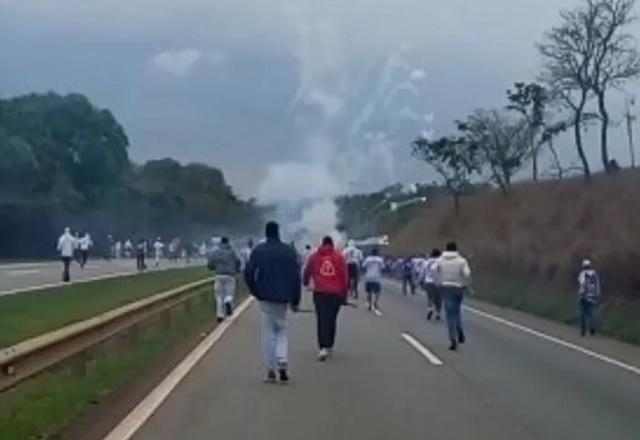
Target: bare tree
{"points": [[569, 52], [503, 143], [616, 57]]}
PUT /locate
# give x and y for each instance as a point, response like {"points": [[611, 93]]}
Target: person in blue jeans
{"points": [[589, 291], [454, 278]]}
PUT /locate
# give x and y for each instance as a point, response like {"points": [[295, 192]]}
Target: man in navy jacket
{"points": [[273, 277]]}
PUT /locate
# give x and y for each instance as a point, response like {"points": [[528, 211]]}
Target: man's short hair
{"points": [[224, 240], [452, 246], [272, 230], [327, 241]]}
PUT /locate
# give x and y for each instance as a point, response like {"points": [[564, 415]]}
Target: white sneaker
{"points": [[323, 354]]}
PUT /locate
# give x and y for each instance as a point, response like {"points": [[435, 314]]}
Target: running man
{"points": [[225, 261], [353, 255], [66, 247], [158, 249], [455, 278], [273, 278], [328, 270], [590, 292], [407, 277], [431, 279], [373, 267], [85, 244]]}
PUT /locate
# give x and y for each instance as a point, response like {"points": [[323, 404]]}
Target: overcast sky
{"points": [[249, 85]]}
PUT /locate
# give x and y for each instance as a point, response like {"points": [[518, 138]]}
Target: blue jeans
{"points": [[275, 344], [587, 317], [452, 297]]}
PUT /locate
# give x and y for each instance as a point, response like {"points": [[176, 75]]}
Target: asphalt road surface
{"points": [[17, 277], [519, 378]]}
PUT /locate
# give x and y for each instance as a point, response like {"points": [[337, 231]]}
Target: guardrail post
{"points": [[166, 319]]}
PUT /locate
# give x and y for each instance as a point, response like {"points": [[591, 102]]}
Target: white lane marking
{"points": [[23, 272], [85, 280], [148, 406], [561, 342], [424, 351]]}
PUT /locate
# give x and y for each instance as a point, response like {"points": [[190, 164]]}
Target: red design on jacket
{"points": [[327, 268]]}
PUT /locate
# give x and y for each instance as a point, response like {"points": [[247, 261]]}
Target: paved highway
{"points": [[518, 377], [14, 278]]}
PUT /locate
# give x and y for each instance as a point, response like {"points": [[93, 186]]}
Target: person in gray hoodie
{"points": [[226, 263], [454, 278]]}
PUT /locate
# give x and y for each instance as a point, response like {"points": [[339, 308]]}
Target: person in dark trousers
{"points": [[140, 254], [431, 279], [589, 291], [407, 277], [273, 278], [327, 268], [455, 278], [66, 248]]}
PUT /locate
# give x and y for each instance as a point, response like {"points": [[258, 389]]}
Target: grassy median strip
{"points": [[30, 314], [42, 406], [616, 318]]}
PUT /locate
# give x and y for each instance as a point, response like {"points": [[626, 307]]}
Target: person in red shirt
{"points": [[327, 268]]}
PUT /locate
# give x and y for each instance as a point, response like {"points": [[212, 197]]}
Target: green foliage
{"points": [[63, 156]]}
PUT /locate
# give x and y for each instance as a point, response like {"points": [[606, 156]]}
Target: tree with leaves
{"points": [[454, 159], [530, 100], [503, 143]]}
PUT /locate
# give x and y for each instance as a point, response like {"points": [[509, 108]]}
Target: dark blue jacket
{"points": [[273, 273]]}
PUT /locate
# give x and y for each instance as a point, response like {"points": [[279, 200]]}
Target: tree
{"points": [[502, 143], [616, 57], [453, 158], [569, 50], [530, 100]]}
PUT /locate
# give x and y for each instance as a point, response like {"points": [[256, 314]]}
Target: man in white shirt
{"points": [[245, 253], [353, 255], [373, 267], [431, 278], [158, 248], [455, 278], [66, 247], [85, 243]]}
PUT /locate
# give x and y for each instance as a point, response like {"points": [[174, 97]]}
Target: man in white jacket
{"points": [[66, 247], [454, 277], [85, 243]]}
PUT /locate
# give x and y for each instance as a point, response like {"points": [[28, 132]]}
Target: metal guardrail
{"points": [[23, 360]]}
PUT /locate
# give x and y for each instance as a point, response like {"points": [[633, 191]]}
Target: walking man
{"points": [[455, 277], [373, 268], [225, 261], [353, 256], [327, 268], [245, 253], [273, 278], [431, 278], [66, 247], [590, 292], [407, 277], [85, 244], [141, 251], [158, 248]]}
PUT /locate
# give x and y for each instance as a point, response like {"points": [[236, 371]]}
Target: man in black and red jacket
{"points": [[327, 268]]}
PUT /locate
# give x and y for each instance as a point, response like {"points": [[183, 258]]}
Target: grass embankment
{"points": [[617, 318], [30, 314], [42, 406]]}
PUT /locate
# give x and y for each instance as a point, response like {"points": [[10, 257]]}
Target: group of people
{"points": [[72, 247]]}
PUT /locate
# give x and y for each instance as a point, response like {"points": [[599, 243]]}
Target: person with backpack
{"points": [[273, 278], [327, 268], [589, 291], [431, 278], [226, 263], [455, 278]]}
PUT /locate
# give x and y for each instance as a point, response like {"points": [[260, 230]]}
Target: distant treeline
{"points": [[64, 162]]}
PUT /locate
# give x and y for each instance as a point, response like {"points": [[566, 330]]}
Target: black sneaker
{"points": [[284, 375], [271, 377], [220, 320], [453, 346], [461, 338], [429, 315], [228, 308]]}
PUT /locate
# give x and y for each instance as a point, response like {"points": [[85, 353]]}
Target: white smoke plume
{"points": [[351, 121]]}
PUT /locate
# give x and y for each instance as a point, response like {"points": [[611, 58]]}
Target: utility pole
{"points": [[631, 119]]}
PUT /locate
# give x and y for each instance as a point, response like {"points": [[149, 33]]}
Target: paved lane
{"points": [[39, 274], [504, 384]]}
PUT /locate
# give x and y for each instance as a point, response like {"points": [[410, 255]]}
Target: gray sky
{"points": [[279, 89]]}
